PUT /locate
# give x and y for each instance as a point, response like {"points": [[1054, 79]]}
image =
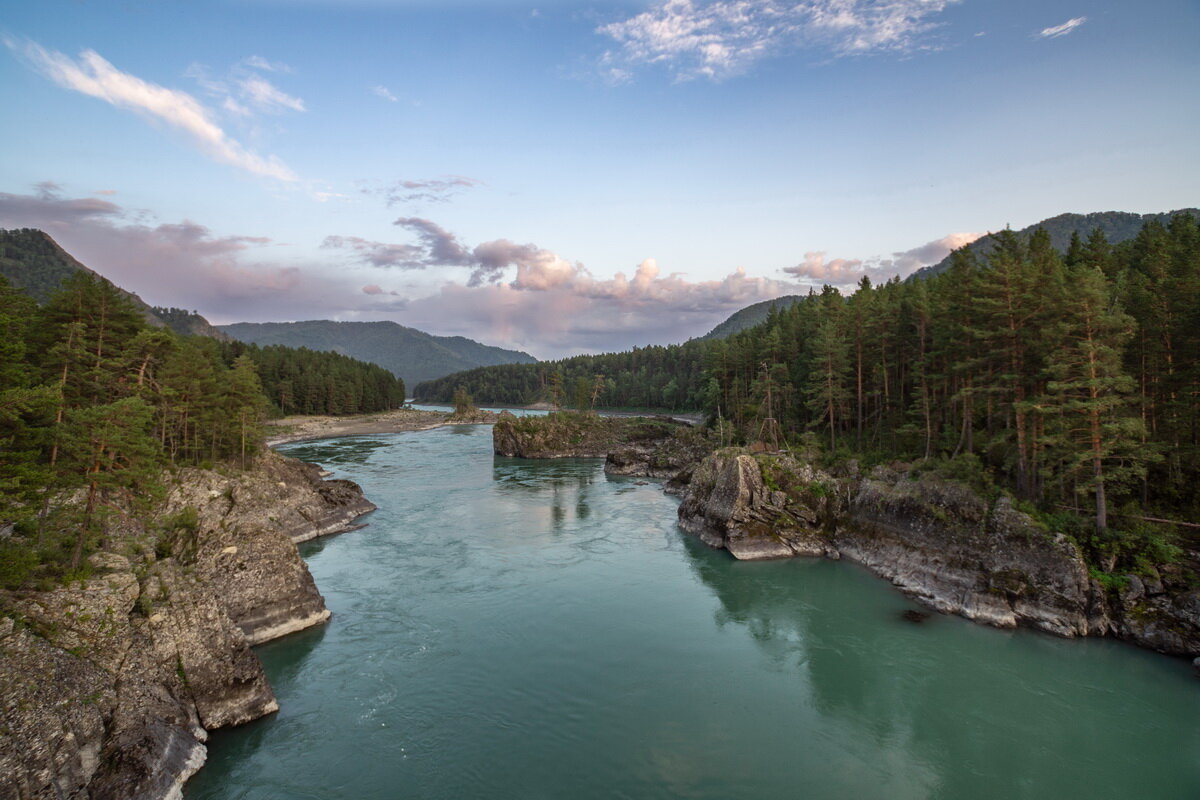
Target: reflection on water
{"points": [[535, 629]]}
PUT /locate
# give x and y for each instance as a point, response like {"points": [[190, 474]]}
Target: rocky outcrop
{"points": [[108, 686], [945, 545], [646, 447], [936, 540], [728, 505], [252, 522]]}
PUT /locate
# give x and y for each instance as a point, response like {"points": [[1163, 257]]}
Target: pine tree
{"points": [[1093, 436], [830, 366]]}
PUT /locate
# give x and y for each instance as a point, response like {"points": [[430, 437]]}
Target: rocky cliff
{"points": [[938, 541], [109, 685]]}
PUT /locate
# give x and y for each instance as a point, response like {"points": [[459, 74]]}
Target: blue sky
{"points": [[574, 176]]}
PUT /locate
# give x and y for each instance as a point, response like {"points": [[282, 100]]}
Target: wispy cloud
{"points": [[262, 94], [1060, 30], [258, 62], [378, 254], [716, 39], [244, 90], [818, 268], [385, 93], [92, 75], [430, 190]]}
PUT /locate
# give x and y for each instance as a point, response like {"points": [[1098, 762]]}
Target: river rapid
{"points": [[535, 629]]}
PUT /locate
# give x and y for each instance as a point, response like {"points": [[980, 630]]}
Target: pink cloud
{"points": [[182, 263]]}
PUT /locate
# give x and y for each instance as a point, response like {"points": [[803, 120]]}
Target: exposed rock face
{"points": [[253, 522], [727, 505], [936, 540], [107, 687], [943, 544]]}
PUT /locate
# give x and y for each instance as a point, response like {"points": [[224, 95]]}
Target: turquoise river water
{"points": [[535, 629]]}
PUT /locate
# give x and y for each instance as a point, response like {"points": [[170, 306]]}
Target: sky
{"points": [[564, 177]]}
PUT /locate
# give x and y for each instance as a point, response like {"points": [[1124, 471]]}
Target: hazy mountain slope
{"points": [[750, 316], [1118, 226], [37, 265], [411, 354], [34, 263]]}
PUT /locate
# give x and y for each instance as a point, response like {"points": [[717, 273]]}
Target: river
{"points": [[535, 629]]}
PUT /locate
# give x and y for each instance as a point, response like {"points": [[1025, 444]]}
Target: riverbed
{"points": [[536, 629]]}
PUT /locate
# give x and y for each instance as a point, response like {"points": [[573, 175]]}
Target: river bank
{"points": [[110, 683], [933, 537], [289, 430]]}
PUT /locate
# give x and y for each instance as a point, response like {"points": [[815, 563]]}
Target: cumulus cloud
{"points": [[526, 296], [385, 93], [178, 263], [555, 309], [430, 190], [1060, 30], [842, 272], [718, 38], [92, 75]]}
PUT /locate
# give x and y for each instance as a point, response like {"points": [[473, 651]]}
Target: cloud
{"points": [[376, 289], [179, 263], [845, 273], [244, 91], [523, 295], [431, 190], [94, 76], [533, 298], [385, 93], [258, 62], [262, 95], [717, 39], [1060, 30], [378, 254], [555, 309]]}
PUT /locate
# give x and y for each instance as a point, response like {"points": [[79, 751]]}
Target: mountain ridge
{"points": [[1118, 226], [410, 354]]}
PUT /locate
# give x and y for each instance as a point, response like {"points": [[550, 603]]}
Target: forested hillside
{"points": [[1117, 227], [409, 353], [751, 316], [645, 377], [1072, 380], [94, 403]]}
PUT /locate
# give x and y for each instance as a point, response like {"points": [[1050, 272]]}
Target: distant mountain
{"points": [[33, 262], [410, 354], [1118, 226], [750, 316]]}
